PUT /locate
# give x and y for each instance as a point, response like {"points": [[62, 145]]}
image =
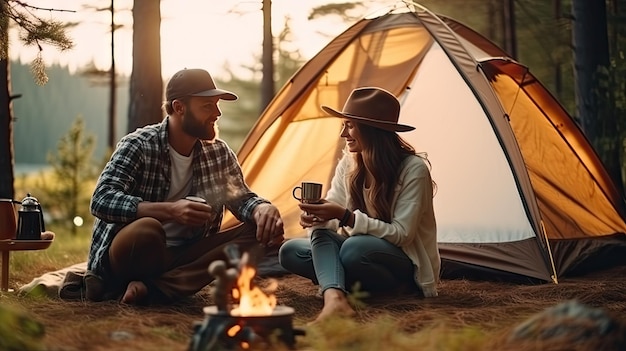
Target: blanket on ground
{"points": [[76, 283], [49, 284]]}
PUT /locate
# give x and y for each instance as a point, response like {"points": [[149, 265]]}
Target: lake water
{"points": [[29, 168]]}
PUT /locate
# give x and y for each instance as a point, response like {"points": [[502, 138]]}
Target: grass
{"points": [[467, 316]]}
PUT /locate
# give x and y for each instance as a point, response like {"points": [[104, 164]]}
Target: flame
{"points": [[233, 330], [252, 301]]}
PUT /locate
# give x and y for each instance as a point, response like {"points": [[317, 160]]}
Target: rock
{"points": [[575, 324], [121, 335]]}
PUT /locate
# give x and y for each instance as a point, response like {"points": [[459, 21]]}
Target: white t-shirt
{"points": [[176, 233]]}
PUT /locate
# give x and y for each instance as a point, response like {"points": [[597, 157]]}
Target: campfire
{"points": [[252, 300], [244, 316]]}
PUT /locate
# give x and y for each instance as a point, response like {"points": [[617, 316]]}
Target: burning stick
{"points": [[224, 279], [233, 255]]}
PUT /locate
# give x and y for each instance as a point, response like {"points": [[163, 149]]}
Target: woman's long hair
{"points": [[382, 155]]}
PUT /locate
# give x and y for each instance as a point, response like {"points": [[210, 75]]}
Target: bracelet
{"points": [[346, 217]]}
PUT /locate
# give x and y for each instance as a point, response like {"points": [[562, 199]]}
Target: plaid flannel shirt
{"points": [[139, 170]]}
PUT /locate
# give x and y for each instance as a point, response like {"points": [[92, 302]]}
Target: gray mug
{"points": [[195, 199], [310, 192]]}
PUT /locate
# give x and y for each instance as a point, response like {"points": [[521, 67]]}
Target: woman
{"points": [[376, 226]]}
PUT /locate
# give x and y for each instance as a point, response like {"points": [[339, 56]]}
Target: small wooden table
{"points": [[8, 245]]}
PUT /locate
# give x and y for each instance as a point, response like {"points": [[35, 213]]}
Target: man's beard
{"points": [[194, 128]]}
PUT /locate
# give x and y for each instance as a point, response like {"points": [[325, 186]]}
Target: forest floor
{"points": [[468, 315]]}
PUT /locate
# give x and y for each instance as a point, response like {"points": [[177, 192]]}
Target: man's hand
{"points": [[269, 224], [183, 211], [192, 213]]}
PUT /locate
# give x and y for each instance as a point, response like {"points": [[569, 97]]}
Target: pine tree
{"points": [[73, 170], [33, 31]]}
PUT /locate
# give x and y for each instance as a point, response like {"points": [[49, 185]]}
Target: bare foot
{"points": [[335, 304], [135, 291]]}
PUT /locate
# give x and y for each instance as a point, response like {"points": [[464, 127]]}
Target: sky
{"points": [[194, 33]]}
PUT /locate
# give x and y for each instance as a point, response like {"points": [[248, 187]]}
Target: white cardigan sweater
{"points": [[413, 227]]}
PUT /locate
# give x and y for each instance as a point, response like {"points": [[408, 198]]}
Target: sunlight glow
{"points": [[204, 34], [78, 221]]}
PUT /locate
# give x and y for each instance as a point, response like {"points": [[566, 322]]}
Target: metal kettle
{"points": [[30, 219]]}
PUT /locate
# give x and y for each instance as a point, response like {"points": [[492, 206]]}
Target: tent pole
{"points": [[554, 276]]}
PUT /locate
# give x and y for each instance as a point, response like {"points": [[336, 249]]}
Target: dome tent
{"points": [[521, 194]]}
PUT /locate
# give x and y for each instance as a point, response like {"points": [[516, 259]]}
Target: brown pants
{"points": [[139, 253]]}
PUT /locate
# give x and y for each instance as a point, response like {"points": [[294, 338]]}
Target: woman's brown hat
{"points": [[372, 106]]}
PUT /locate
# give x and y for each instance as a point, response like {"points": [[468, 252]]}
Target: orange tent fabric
{"points": [[521, 193]]}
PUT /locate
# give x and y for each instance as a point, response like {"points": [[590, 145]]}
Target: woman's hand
{"points": [[307, 220], [313, 214]]}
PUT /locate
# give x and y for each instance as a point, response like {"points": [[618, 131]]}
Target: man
{"points": [[160, 199]]}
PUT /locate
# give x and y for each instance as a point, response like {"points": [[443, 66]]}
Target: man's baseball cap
{"points": [[194, 82]]}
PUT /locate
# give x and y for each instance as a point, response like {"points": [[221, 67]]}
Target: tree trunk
{"points": [[508, 20], [146, 83], [558, 78], [6, 114], [591, 51], [267, 82], [591, 63], [112, 85]]}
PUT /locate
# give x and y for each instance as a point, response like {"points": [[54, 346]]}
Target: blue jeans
{"points": [[335, 261]]}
